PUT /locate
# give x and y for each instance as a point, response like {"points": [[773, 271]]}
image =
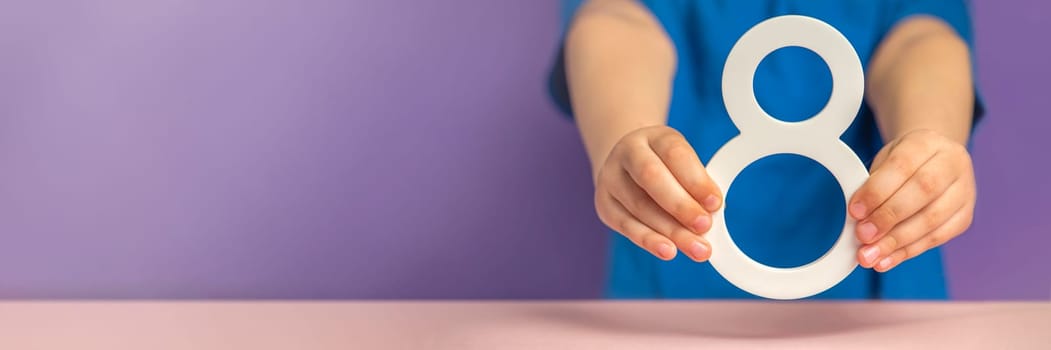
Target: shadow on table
{"points": [[732, 320]]}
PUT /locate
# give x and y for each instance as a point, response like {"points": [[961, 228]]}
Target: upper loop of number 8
{"points": [[816, 138]]}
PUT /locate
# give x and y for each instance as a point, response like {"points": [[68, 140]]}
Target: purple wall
{"points": [[370, 149], [1004, 256]]}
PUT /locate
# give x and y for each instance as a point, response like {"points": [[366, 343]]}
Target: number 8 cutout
{"points": [[816, 138]]}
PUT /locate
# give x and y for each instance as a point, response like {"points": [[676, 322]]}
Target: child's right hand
{"points": [[654, 190]]}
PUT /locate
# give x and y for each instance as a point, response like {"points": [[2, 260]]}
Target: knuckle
{"points": [[899, 165], [601, 205], [867, 195], [638, 204], [650, 172], [913, 251], [684, 210], [967, 221], [698, 186], [644, 240], [932, 219], [960, 153], [624, 143], [890, 243], [620, 156], [630, 157], [610, 220], [666, 134], [677, 153], [968, 163], [966, 156], [681, 236], [632, 141], [893, 165], [897, 258], [693, 184], [958, 149], [928, 184], [884, 216], [664, 229], [618, 223], [659, 141], [625, 228], [933, 240], [649, 242], [604, 218]]}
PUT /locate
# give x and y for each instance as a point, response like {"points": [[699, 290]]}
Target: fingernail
{"points": [[711, 203], [702, 223], [884, 264], [870, 253], [698, 251], [666, 251], [866, 232], [857, 210]]}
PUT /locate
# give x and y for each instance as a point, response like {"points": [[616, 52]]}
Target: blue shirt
{"points": [[783, 210]]}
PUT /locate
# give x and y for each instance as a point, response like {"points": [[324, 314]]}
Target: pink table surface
{"points": [[523, 325]]}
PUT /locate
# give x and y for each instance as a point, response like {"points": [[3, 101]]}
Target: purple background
{"points": [[372, 149]]}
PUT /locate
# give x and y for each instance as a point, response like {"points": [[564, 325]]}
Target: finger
{"points": [[643, 208], [649, 172], [613, 214], [901, 163], [882, 154], [953, 227], [686, 167], [927, 220], [924, 186]]}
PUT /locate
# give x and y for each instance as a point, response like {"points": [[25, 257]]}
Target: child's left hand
{"points": [[920, 194]]}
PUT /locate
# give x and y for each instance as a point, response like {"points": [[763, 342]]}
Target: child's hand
{"points": [[920, 194], [654, 190]]}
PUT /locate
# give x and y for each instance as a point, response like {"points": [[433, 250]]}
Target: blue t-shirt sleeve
{"points": [[956, 14]]}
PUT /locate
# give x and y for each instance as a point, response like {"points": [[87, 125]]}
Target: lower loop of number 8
{"points": [[816, 138]]}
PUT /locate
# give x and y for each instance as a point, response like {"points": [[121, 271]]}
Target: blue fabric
{"points": [[783, 210]]}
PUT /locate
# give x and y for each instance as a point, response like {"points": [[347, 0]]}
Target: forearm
{"points": [[619, 66], [920, 78]]}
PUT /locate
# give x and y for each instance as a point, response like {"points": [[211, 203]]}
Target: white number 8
{"points": [[816, 138]]}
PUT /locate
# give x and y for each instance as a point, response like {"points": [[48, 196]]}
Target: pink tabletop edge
{"points": [[520, 324]]}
